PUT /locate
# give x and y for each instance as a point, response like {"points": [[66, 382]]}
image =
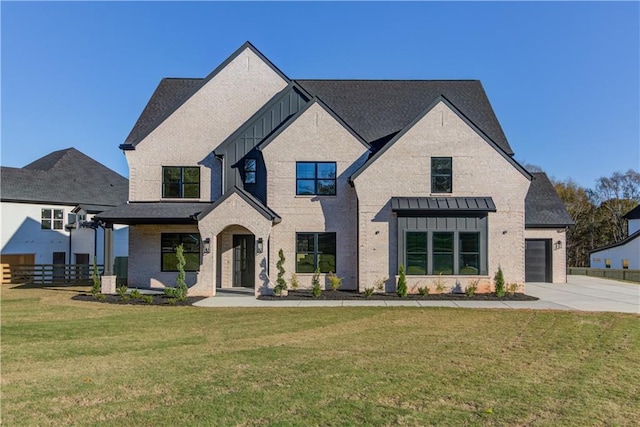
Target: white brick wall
{"points": [[405, 170], [558, 255]]}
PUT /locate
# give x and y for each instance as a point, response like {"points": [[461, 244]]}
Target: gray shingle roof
{"points": [[155, 213], [633, 213], [443, 204], [543, 208], [376, 109], [64, 177]]}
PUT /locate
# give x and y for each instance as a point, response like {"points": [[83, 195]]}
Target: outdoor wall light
{"points": [[557, 245], [207, 245], [259, 246]]}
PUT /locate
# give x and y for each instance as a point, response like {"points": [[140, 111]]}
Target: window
{"points": [[52, 219], [315, 178], [315, 250], [180, 182], [441, 175], [249, 171], [442, 253], [191, 245], [417, 253], [469, 253]]}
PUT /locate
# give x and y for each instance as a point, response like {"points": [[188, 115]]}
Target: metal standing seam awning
{"points": [[442, 205]]}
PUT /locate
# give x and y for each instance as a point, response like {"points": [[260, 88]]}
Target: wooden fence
{"points": [[48, 274], [607, 273]]}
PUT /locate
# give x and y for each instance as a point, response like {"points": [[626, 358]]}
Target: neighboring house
{"points": [[48, 207], [624, 254], [356, 177]]}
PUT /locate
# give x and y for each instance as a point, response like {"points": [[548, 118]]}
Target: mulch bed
{"points": [[156, 300], [353, 295]]}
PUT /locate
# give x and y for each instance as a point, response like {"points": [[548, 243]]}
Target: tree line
{"points": [[598, 212]]}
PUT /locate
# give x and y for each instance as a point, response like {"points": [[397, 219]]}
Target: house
{"points": [[624, 254], [355, 177], [48, 208]]}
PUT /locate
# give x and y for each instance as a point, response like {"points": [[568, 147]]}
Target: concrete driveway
{"points": [[581, 293], [587, 293]]}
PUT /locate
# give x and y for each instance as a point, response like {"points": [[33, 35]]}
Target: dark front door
{"points": [[537, 264], [59, 258], [243, 260]]}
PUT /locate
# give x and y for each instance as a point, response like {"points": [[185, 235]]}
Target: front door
{"points": [[243, 260], [537, 265]]}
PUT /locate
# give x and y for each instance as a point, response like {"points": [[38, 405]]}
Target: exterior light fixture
{"points": [[259, 246], [207, 245], [557, 245]]}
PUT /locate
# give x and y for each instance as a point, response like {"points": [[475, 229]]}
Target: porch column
{"points": [[108, 278]]}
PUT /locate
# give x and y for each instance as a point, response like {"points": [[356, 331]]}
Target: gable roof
{"points": [[171, 93], [247, 197], [64, 177], [376, 109], [543, 208], [620, 243], [633, 213]]}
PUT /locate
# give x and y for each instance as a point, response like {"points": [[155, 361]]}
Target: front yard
{"points": [[67, 362]]}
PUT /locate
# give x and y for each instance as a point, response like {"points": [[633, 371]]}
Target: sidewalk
{"points": [[581, 293]]}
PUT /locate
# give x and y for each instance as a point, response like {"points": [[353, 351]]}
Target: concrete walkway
{"points": [[581, 293]]}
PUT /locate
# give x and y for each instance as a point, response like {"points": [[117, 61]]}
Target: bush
{"points": [[499, 283], [294, 282], [471, 289], [181, 286], [100, 297], [379, 283], [136, 294], [334, 281], [147, 299], [512, 288], [95, 277], [122, 290], [440, 284], [281, 284], [424, 291], [368, 292], [316, 290], [402, 283]]}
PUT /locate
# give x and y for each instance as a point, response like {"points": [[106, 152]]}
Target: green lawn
{"points": [[68, 362]]}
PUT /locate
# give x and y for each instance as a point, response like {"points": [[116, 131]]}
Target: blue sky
{"points": [[563, 78]]}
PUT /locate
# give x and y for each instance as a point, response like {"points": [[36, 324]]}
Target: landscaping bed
{"points": [[354, 295], [145, 300]]}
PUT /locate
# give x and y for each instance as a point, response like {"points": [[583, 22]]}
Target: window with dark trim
{"points": [[315, 251], [191, 244], [469, 251], [443, 253], [417, 252], [250, 167], [315, 178], [52, 219], [180, 182], [441, 175]]}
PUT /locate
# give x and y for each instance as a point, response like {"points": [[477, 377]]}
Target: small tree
{"points": [[281, 284], [95, 276], [499, 283], [402, 283], [316, 290], [334, 281], [181, 284]]}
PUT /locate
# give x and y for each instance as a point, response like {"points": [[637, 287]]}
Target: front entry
{"points": [[243, 260]]}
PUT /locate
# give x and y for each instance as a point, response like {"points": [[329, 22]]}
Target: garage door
{"points": [[537, 267]]}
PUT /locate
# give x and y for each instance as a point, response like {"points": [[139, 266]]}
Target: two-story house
{"points": [[355, 177]]}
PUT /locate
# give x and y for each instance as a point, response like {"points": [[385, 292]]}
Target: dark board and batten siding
{"points": [[273, 115]]}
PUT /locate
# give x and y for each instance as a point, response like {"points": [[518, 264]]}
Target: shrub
{"points": [[147, 299], [316, 290], [294, 282], [379, 283], [424, 291], [136, 294], [100, 297], [334, 281], [499, 283], [402, 283], [122, 290], [512, 288], [368, 292], [95, 277], [172, 301], [182, 289], [125, 297], [440, 284], [471, 289], [281, 284]]}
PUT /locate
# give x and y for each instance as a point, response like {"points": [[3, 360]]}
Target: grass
{"points": [[68, 362]]}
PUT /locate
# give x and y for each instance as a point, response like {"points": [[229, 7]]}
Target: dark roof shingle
{"points": [[542, 206], [64, 177]]}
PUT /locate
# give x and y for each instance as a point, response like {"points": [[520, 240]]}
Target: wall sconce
{"points": [[557, 245], [207, 245], [259, 246]]}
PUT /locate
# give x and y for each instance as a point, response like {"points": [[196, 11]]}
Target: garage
{"points": [[537, 267]]}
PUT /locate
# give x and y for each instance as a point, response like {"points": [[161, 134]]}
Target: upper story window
{"points": [[52, 219], [250, 167], [441, 175], [315, 178], [180, 182]]}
